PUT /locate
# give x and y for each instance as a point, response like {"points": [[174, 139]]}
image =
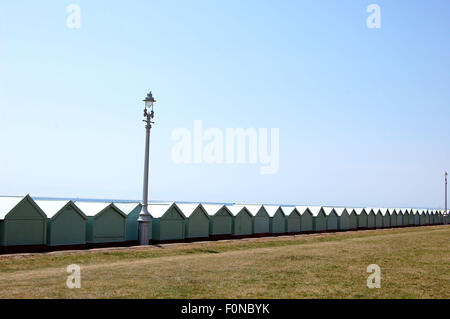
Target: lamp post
{"points": [[446, 212], [144, 216]]}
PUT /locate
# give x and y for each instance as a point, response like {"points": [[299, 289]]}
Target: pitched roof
{"points": [[315, 210], [189, 209], [127, 208], [340, 210], [272, 210], [212, 209], [350, 210], [303, 209], [92, 209], [158, 210], [51, 208], [359, 211], [329, 210], [236, 209], [252, 208], [7, 203], [288, 210]]}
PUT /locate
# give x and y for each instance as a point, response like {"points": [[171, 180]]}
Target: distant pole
{"points": [[446, 212], [144, 216]]}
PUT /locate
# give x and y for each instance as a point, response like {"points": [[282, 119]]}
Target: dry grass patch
{"points": [[414, 264]]}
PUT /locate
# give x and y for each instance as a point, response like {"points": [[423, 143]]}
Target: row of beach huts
{"points": [[34, 225]]}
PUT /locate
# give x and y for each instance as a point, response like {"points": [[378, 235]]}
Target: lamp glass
{"points": [[148, 104]]}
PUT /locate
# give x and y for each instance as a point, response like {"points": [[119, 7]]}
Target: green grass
{"points": [[414, 264]]}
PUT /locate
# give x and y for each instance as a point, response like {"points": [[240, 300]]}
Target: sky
{"points": [[362, 113]]}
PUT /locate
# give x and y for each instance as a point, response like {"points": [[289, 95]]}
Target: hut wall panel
{"points": [[393, 220], [242, 225], [371, 223], [109, 227], [197, 225], [344, 222], [221, 224], [399, 220], [353, 221], [332, 222], [261, 225], [68, 228], [293, 223], [362, 220], [320, 223], [307, 224], [379, 221], [278, 225]]}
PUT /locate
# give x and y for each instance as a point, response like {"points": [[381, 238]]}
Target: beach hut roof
{"points": [[315, 210], [92, 209], [212, 209], [236, 209], [7, 204], [157, 210], [52, 208], [272, 210], [359, 211], [384, 211], [350, 210], [189, 209], [391, 211], [288, 210], [328, 210], [252, 208], [340, 210], [303, 209], [127, 208]]}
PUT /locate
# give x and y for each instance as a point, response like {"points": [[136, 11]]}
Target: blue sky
{"points": [[363, 114]]}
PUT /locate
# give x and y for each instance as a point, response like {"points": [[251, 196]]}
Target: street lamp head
{"points": [[149, 100]]}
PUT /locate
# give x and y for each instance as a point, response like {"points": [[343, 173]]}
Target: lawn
{"points": [[414, 263]]}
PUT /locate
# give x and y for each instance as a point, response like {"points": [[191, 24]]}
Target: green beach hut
{"points": [[196, 222], [23, 225], [293, 219], [277, 220], [132, 211], [242, 221], [371, 218], [260, 219], [319, 218], [306, 220], [105, 224], [399, 217], [353, 219], [344, 218], [386, 217], [332, 219], [220, 221], [378, 218], [393, 217], [66, 224], [427, 217], [168, 223], [361, 213]]}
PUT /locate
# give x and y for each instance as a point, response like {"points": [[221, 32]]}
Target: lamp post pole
{"points": [[446, 212], [144, 219]]}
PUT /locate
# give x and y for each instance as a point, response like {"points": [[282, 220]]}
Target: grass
{"points": [[414, 264]]}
